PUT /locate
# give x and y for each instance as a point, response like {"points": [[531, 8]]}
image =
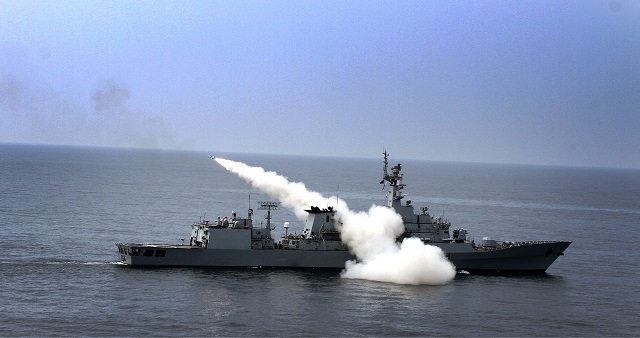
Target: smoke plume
{"points": [[370, 236]]}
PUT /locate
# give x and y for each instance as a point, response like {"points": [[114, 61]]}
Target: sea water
{"points": [[62, 209]]}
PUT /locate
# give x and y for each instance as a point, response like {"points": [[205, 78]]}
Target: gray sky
{"points": [[541, 82]]}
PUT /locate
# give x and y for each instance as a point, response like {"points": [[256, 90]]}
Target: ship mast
{"points": [[269, 206], [384, 167], [395, 182]]}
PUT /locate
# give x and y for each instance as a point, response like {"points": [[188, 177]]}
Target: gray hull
{"points": [[535, 257], [179, 255]]}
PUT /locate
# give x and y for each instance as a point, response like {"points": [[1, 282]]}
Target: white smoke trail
{"points": [[371, 235], [293, 195]]}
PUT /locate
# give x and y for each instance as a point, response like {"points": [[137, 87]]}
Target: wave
{"points": [[57, 262], [529, 205]]}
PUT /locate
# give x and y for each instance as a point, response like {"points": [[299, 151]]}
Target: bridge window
{"points": [[147, 253], [161, 253]]}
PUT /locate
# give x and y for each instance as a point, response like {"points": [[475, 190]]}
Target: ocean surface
{"points": [[62, 209]]}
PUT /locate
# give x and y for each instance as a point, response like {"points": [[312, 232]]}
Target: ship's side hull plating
{"points": [[176, 255], [523, 258], [536, 257]]}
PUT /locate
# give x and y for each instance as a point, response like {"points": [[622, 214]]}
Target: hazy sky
{"points": [[542, 82]]}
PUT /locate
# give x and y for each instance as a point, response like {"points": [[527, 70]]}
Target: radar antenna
{"points": [[384, 167], [394, 194], [395, 176], [269, 206]]}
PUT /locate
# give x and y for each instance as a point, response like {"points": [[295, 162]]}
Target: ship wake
{"points": [[370, 236]]}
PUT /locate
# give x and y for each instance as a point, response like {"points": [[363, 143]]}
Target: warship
{"points": [[238, 242]]}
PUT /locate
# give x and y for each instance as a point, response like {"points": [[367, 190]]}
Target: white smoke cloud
{"points": [[371, 235], [412, 262]]}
